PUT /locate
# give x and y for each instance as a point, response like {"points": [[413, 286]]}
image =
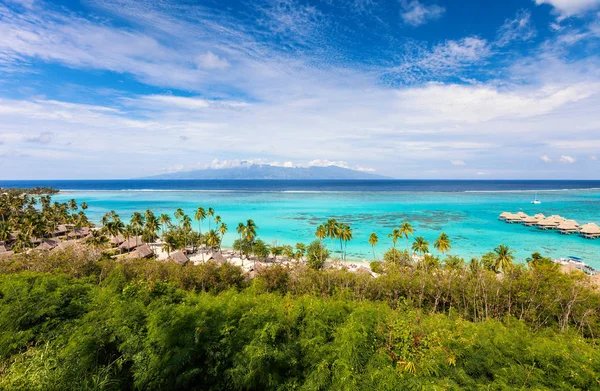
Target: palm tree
{"points": [[405, 230], [4, 232], [178, 214], [373, 240], [321, 233], [250, 231], [137, 222], [222, 230], [115, 227], [420, 245], [345, 234], [395, 235], [210, 213], [217, 220], [199, 216], [442, 244], [84, 206], [165, 221], [96, 239], [169, 243], [331, 228], [241, 230], [503, 258], [212, 239]]}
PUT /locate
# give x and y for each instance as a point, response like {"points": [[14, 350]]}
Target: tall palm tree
{"points": [[137, 223], [373, 240], [210, 213], [178, 214], [165, 222], [217, 220], [84, 206], [241, 230], [4, 232], [199, 216], [503, 258], [405, 230], [212, 239], [331, 227], [250, 231], [321, 233], [345, 234], [420, 245], [222, 230], [442, 243], [395, 235]]}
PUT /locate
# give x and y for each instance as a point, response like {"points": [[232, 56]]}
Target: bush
{"points": [[316, 255], [376, 267]]}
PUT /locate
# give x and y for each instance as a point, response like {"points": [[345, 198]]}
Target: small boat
{"points": [[535, 200]]}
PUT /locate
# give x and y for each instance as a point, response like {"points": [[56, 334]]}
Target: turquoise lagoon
{"points": [[470, 218]]}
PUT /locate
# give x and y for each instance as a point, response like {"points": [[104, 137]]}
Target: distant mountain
{"points": [[259, 171]]}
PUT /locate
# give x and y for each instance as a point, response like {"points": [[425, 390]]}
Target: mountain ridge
{"points": [[264, 171]]}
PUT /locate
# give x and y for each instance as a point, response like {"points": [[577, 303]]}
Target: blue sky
{"points": [[404, 88]]}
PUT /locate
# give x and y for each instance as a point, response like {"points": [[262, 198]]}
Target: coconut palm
{"points": [[442, 243], [395, 235], [405, 230], [241, 229], [321, 233], [137, 223], [345, 235], [199, 216], [84, 206], [503, 258], [97, 239], [331, 228], [223, 230], [217, 220], [250, 231], [420, 245], [210, 213], [212, 239], [373, 240], [178, 215], [4, 232], [165, 222]]}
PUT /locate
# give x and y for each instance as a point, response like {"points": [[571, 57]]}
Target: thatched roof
{"points": [[131, 243], [66, 244], [504, 214], [179, 257], [556, 218], [548, 223], [567, 226], [539, 216], [143, 251], [530, 220], [590, 229], [217, 257], [79, 233], [45, 246], [522, 214], [61, 229], [117, 240], [512, 217]]}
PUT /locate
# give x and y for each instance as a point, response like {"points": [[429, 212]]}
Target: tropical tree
{"points": [[241, 230], [331, 228], [373, 240], [250, 231], [321, 233], [136, 223], [212, 239], [179, 213], [165, 222], [537, 259], [420, 245], [345, 234], [503, 258], [395, 235], [199, 216], [442, 243], [223, 230], [405, 230], [210, 213]]}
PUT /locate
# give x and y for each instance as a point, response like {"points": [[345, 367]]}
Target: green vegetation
{"points": [[75, 320]]}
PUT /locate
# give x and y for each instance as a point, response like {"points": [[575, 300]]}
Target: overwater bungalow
{"points": [[568, 227], [503, 215], [547, 223], [522, 215], [539, 216], [590, 231], [529, 221], [512, 218]]}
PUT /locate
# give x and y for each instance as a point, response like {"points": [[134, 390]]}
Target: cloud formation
{"points": [[566, 8], [415, 13]]}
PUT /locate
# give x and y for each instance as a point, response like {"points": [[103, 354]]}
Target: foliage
{"points": [[316, 255]]}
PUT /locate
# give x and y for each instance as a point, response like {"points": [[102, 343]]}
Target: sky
{"points": [[463, 89]]}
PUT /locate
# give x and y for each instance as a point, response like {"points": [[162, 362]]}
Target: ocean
{"points": [[287, 212]]}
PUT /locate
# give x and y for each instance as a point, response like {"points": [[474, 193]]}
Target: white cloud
{"points": [[517, 29], [545, 158], [566, 8], [594, 158], [209, 60], [415, 13], [567, 159], [458, 163]]}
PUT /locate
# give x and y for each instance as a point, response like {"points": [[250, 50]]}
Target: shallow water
{"points": [[470, 218]]}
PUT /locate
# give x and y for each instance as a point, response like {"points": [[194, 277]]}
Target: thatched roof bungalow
{"points": [[529, 221], [117, 240], [60, 230], [503, 215], [217, 257], [78, 233], [143, 251], [590, 231], [547, 224], [568, 227], [513, 218], [522, 215], [179, 257], [131, 243]]}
